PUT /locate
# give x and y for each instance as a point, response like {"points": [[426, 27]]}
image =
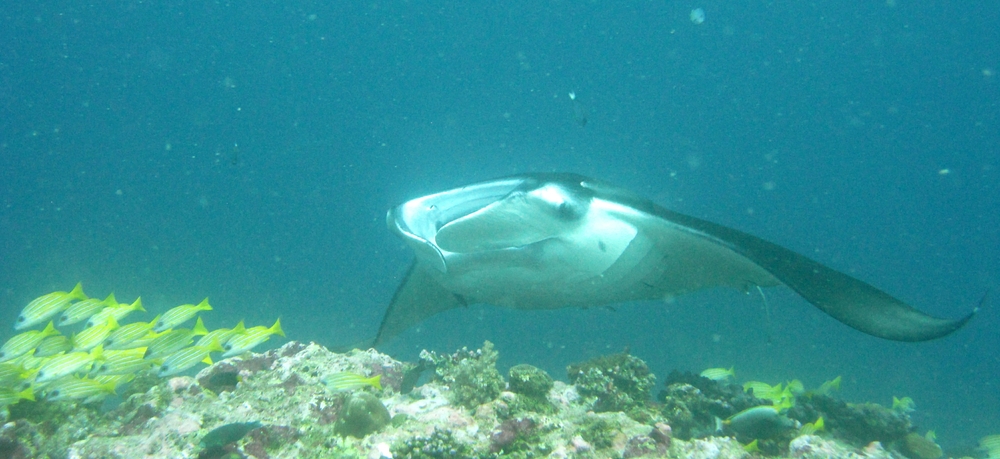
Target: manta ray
{"points": [[544, 241]]}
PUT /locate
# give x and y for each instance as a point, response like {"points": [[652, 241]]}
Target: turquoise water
{"points": [[248, 152]]}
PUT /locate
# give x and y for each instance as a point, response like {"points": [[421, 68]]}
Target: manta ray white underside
{"points": [[561, 240]]}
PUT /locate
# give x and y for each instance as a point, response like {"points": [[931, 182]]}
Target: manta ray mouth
{"points": [[509, 223], [420, 221]]}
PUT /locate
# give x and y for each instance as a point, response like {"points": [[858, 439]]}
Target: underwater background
{"points": [[248, 152]]}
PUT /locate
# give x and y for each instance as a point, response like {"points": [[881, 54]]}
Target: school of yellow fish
{"points": [[53, 362]]}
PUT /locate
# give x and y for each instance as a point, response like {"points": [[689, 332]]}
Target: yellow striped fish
{"points": [[180, 314], [187, 358], [763, 390], [124, 362], [22, 343], [42, 308], [239, 344], [719, 374], [221, 335], [89, 338], [796, 387], [829, 386], [82, 310], [174, 340], [124, 336], [991, 444], [12, 374], [30, 362], [146, 339], [904, 405], [65, 364], [53, 345], [346, 380], [118, 312], [812, 427], [117, 379], [779, 396], [74, 388], [10, 396]]}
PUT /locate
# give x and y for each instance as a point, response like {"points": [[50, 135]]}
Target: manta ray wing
{"points": [[849, 300], [418, 297]]}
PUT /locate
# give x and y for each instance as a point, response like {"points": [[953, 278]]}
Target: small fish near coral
{"points": [[545, 241], [226, 434], [719, 374], [92, 361], [760, 422], [347, 381]]}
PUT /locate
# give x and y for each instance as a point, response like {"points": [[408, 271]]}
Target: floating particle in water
{"points": [[579, 110], [697, 15]]}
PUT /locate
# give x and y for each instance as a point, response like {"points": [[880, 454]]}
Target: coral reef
{"points": [[440, 444], [814, 447], [514, 435], [617, 382], [362, 414], [692, 404], [531, 386], [471, 375], [275, 405], [858, 424], [529, 381]]}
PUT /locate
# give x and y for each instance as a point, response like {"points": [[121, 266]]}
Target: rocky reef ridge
{"points": [[465, 409]]}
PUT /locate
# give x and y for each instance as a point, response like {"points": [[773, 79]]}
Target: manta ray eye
{"points": [[562, 202], [569, 210]]}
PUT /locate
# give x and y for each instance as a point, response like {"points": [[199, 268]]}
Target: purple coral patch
{"points": [[143, 413], [291, 383], [508, 432]]}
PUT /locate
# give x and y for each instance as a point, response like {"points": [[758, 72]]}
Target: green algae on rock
{"points": [[471, 375], [531, 386], [440, 444], [529, 380], [617, 382]]}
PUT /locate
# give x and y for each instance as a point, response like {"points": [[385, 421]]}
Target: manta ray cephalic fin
{"points": [[418, 297]]}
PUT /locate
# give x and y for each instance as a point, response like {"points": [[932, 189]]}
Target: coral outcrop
{"points": [[617, 382]]}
